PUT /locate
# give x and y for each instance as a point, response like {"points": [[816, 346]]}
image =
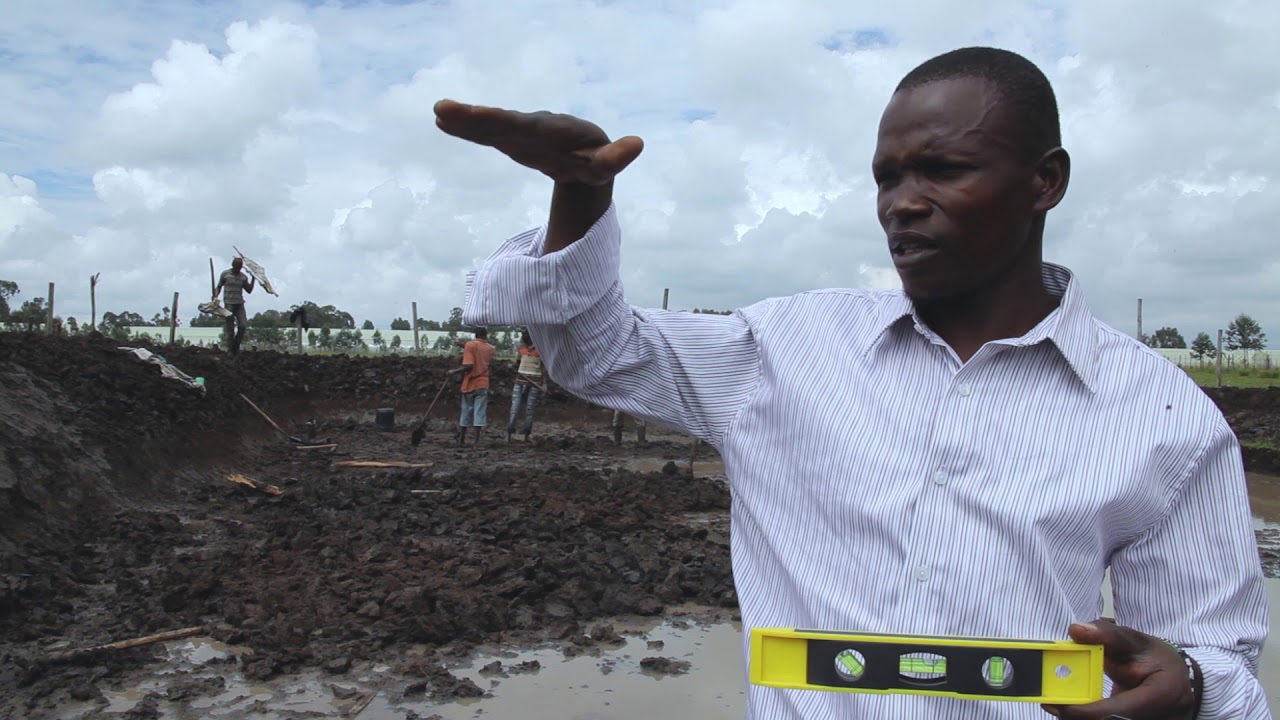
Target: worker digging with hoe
{"points": [[477, 354], [969, 458], [236, 282], [529, 386]]}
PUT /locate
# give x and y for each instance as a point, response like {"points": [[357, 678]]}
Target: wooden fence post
{"points": [[173, 320], [416, 348], [1219, 358], [93, 301], [49, 319]]}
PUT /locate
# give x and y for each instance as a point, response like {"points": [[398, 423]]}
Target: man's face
{"points": [[237, 264], [956, 195]]}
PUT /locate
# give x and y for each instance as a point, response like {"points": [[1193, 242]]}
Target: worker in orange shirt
{"points": [[530, 385], [477, 354]]}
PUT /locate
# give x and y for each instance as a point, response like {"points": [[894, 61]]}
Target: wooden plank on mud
{"points": [[132, 643], [360, 706], [330, 446], [380, 464], [255, 484]]}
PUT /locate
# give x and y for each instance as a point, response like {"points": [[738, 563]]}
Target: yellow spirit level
{"points": [[1057, 672]]}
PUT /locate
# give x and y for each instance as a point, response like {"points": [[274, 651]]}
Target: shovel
{"points": [[421, 431]]}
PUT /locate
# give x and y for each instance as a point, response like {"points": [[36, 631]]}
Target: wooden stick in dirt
{"points": [[126, 644], [255, 484], [360, 706], [265, 416], [330, 446], [693, 455], [380, 464]]}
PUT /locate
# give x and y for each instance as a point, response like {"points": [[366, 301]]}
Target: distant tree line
{"points": [[1242, 333], [329, 328]]}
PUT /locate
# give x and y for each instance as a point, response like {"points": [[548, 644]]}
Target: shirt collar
{"points": [[1070, 327]]}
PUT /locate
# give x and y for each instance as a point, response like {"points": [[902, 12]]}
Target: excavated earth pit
{"points": [[384, 591]]}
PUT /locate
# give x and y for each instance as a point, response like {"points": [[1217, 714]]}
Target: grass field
{"points": [[1235, 377]]}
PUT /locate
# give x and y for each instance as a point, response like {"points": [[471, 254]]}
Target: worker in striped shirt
{"points": [[971, 455]]}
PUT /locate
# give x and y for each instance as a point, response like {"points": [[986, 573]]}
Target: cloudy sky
{"points": [[140, 138]]}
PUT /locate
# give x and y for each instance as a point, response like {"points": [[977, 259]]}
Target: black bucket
{"points": [[385, 419]]}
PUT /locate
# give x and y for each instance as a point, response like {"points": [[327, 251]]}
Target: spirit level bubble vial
{"points": [[1058, 672]]}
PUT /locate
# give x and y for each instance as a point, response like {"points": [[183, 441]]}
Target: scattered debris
{"points": [[166, 369], [381, 464], [255, 484], [360, 706], [126, 644], [256, 270], [330, 447], [290, 438]]}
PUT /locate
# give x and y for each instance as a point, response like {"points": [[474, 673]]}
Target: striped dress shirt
{"points": [[881, 484]]}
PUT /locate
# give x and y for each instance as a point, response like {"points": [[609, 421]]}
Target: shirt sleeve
{"points": [[690, 372], [1196, 580]]}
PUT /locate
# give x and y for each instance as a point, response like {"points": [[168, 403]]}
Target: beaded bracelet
{"points": [[1194, 676]]}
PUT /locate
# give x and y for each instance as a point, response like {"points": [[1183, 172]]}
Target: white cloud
{"points": [[152, 138], [22, 221]]}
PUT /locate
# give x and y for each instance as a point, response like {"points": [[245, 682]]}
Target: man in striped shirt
{"points": [[970, 458]]}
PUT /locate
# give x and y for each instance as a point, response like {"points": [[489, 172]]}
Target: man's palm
{"points": [[562, 147]]}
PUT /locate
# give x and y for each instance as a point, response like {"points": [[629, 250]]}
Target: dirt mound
{"points": [[119, 520], [1254, 414]]}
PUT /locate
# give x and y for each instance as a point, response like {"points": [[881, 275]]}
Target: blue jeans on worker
{"points": [[475, 408], [237, 323], [525, 395]]}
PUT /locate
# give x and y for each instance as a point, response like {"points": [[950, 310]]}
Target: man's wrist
{"points": [[1195, 676]]}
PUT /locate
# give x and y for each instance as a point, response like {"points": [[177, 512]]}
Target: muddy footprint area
{"points": [[321, 584]]}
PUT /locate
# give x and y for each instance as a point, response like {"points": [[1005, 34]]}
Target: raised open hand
{"points": [[562, 147]]}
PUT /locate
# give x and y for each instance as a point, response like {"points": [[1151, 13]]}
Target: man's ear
{"points": [[1052, 174]]}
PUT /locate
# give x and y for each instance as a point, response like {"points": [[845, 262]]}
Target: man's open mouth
{"points": [[908, 246]]}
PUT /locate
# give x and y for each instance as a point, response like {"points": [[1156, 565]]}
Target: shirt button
{"points": [[922, 573], [964, 390], [940, 477]]}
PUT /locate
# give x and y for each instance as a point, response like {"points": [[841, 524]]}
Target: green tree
{"points": [[32, 314], [1203, 347], [399, 324], [324, 316], [395, 342], [267, 337], [161, 319], [455, 320], [269, 319], [1244, 333], [377, 340], [1167, 337], [368, 325], [425, 324], [8, 289], [312, 339], [203, 320], [73, 326]]}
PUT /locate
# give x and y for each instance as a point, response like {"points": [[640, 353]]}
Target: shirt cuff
{"points": [[1230, 690], [520, 285]]}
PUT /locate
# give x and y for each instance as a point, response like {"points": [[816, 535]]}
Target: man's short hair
{"points": [[481, 332], [1020, 83]]}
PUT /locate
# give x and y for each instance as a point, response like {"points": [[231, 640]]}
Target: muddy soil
{"points": [[119, 519]]}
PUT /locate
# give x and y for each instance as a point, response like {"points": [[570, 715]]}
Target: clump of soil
{"points": [[665, 665]]}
